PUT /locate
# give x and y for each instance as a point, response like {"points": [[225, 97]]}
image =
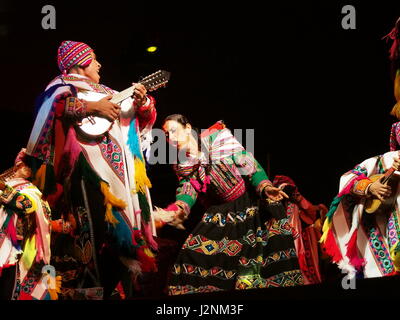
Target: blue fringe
{"points": [[133, 140], [121, 232], [122, 236]]}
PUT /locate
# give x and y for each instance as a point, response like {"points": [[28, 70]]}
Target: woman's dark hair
{"points": [[183, 121], [178, 118]]}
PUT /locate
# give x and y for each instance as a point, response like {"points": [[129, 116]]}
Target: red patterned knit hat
{"points": [[72, 53]]}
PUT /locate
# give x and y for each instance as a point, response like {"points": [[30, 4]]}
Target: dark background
{"points": [[318, 96]]}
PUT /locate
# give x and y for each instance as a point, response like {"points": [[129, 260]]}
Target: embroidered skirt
{"points": [[242, 244]]}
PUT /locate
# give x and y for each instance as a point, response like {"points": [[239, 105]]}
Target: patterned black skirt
{"points": [[243, 244]]}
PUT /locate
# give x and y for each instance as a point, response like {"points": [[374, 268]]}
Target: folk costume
{"points": [[25, 243], [241, 241], [361, 242], [101, 180], [394, 55], [358, 241], [305, 218]]}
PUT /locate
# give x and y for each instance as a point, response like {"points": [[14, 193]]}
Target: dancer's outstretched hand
{"points": [[173, 218], [275, 194]]}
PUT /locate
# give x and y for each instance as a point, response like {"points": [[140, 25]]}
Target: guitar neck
{"points": [[121, 96], [125, 94], [151, 82], [388, 175]]}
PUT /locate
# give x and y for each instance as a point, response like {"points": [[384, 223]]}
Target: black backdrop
{"points": [[317, 96]]}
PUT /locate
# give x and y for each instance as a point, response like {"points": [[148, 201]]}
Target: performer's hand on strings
{"points": [[139, 94], [104, 107], [275, 194], [396, 164], [379, 190]]}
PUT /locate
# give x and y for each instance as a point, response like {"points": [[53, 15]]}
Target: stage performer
{"points": [[100, 179], [25, 238], [306, 219], [361, 236], [394, 57], [244, 239]]}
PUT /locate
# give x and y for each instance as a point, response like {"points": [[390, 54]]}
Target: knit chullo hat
{"points": [[72, 53]]}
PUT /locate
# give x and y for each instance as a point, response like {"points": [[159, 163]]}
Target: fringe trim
{"points": [[29, 252], [110, 201], [332, 248], [352, 252], [142, 181]]}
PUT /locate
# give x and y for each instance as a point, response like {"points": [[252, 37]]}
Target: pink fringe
{"points": [[332, 248], [71, 152], [11, 231], [149, 236], [352, 252]]}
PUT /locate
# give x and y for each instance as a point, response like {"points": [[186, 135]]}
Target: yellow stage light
{"points": [[152, 49]]}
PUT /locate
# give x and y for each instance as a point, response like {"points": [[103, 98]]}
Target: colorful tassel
{"points": [[149, 236], [11, 232], [123, 235], [110, 200], [325, 229], [87, 172], [332, 248], [142, 181], [109, 217], [133, 140], [352, 251], [146, 259], [29, 252], [144, 206]]}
